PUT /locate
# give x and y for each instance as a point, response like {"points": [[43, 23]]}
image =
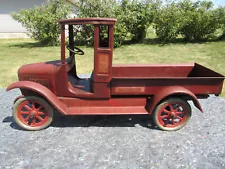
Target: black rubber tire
{"points": [[32, 98], [157, 112]]}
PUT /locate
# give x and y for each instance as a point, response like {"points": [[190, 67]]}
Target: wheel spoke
{"points": [[27, 107], [179, 117], [33, 121], [24, 112], [39, 108], [27, 118], [39, 118], [173, 122], [166, 111], [179, 112], [40, 113], [166, 122], [171, 107], [33, 105], [164, 116], [176, 109]]}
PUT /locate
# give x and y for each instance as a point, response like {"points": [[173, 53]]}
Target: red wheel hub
{"points": [[33, 113], [172, 115]]}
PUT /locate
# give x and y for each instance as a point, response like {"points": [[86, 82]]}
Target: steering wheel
{"points": [[77, 51]]}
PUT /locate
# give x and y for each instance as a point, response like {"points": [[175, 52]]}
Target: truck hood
{"points": [[43, 68]]}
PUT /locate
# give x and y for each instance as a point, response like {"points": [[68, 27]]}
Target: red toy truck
{"points": [[160, 90]]}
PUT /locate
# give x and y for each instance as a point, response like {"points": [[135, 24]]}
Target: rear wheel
{"points": [[32, 113], [172, 114]]}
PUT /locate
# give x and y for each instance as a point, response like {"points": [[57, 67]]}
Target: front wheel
{"points": [[172, 114], [32, 113]]}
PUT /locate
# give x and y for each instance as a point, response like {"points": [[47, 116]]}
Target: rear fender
{"points": [[173, 91], [41, 90]]}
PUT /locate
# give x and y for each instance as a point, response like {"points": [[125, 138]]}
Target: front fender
{"points": [[41, 90], [171, 91]]}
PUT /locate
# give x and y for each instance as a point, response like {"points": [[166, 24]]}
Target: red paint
{"points": [[112, 89], [172, 91], [171, 115], [33, 113], [32, 88]]}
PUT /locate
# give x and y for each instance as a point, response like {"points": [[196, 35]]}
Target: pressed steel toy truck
{"points": [[160, 90]]}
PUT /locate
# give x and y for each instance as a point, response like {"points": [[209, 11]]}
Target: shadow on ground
{"points": [[29, 45], [150, 41], [156, 41], [96, 121]]}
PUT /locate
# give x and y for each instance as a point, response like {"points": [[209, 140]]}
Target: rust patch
{"points": [[103, 65], [130, 89], [43, 82]]}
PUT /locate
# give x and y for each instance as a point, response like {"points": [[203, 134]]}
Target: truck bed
{"points": [[148, 79]]}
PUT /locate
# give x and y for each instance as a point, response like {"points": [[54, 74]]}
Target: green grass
{"points": [[15, 53]]}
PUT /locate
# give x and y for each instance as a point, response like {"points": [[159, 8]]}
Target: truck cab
{"points": [[97, 86], [61, 77]]}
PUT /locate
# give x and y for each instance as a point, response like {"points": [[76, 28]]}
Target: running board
{"points": [[106, 110]]}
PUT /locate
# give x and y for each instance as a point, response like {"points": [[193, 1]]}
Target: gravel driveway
{"points": [[115, 141]]}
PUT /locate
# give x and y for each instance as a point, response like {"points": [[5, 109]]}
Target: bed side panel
{"points": [[152, 86]]}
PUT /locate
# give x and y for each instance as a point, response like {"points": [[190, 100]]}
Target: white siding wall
{"points": [[8, 26]]}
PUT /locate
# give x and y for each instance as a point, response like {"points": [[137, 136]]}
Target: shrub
{"points": [[194, 20], [200, 20], [220, 12], [137, 16], [133, 17], [92, 8], [40, 21], [168, 22]]}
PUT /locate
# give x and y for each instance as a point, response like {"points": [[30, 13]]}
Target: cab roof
{"points": [[94, 21]]}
